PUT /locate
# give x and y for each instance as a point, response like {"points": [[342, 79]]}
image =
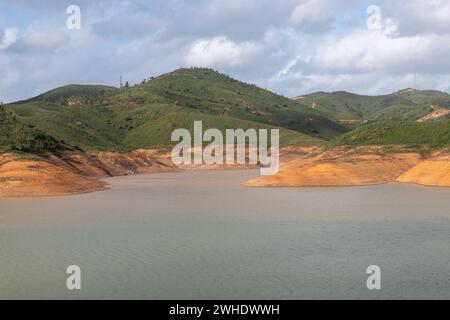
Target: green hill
{"points": [[74, 95], [433, 134], [405, 105], [206, 91], [427, 97], [144, 115], [16, 136]]}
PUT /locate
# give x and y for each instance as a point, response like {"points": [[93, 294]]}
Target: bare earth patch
{"points": [[357, 167]]}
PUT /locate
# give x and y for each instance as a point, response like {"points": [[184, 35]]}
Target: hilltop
{"points": [[73, 94], [209, 92]]}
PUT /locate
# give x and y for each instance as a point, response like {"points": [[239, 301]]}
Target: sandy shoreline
{"points": [[78, 173]]}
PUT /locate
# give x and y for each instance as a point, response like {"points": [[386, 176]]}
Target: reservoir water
{"points": [[201, 235]]}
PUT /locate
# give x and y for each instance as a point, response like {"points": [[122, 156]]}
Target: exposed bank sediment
{"points": [[77, 172], [74, 172], [70, 172], [358, 167], [39, 178], [434, 171]]}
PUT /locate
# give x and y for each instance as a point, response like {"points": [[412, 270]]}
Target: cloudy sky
{"points": [[291, 47]]}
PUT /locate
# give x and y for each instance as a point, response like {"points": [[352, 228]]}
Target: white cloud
{"points": [[365, 51], [312, 14], [128, 20], [219, 52], [8, 38], [420, 17], [293, 46], [38, 39], [319, 15], [238, 20]]}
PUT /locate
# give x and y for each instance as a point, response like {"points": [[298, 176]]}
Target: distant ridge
{"points": [[404, 105], [405, 91], [90, 93]]}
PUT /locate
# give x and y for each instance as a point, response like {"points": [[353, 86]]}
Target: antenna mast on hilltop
{"points": [[120, 83], [415, 70]]}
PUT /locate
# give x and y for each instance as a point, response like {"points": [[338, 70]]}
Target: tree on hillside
{"points": [[2, 113]]}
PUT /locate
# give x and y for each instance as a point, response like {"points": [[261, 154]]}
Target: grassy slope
{"points": [[18, 137], [427, 97], [406, 105], [434, 134], [153, 133], [81, 126]]}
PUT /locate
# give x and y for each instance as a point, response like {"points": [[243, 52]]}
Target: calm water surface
{"points": [[195, 235]]}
